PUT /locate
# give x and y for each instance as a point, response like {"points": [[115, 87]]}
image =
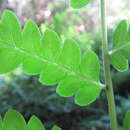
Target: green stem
{"points": [[106, 65]]}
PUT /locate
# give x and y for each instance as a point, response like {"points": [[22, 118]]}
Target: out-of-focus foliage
{"points": [[66, 28], [1, 1]]}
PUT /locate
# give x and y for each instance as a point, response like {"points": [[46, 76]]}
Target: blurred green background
{"points": [[25, 94]]}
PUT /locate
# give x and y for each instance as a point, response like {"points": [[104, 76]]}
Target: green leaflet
{"points": [[126, 52], [90, 67], [31, 43], [10, 59], [13, 121], [119, 61], [10, 34], [127, 121], [51, 74], [120, 53], [35, 124], [67, 58], [51, 50], [79, 3], [51, 45], [70, 56], [54, 61], [85, 92], [32, 65], [128, 36], [56, 128], [120, 34], [10, 30], [68, 86], [31, 38]]}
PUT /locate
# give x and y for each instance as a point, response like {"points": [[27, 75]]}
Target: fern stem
{"points": [[106, 65]]}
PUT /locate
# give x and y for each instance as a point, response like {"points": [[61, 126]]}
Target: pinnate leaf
{"points": [[57, 63]]}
